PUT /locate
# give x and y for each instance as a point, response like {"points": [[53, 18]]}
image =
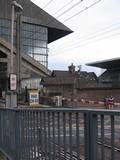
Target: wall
{"points": [[59, 90], [98, 94]]}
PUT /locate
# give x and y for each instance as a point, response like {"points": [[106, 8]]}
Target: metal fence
{"points": [[60, 134]]}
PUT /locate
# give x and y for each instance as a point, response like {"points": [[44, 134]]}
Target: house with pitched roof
{"points": [[67, 83]]}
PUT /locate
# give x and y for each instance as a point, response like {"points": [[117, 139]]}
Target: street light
{"points": [[11, 98], [18, 7]]}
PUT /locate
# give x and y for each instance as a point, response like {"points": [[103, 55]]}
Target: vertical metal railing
{"points": [[105, 140], [60, 134]]}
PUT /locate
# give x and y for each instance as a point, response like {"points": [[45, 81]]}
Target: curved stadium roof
{"points": [[107, 64]]}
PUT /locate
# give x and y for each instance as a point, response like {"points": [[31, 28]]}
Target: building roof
{"points": [[67, 78], [63, 74], [66, 74], [57, 81], [106, 64], [34, 14]]}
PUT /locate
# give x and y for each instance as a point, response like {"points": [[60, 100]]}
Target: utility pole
{"points": [[12, 38], [11, 96], [18, 51]]}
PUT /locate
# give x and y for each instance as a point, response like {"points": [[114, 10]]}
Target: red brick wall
{"points": [[98, 94]]}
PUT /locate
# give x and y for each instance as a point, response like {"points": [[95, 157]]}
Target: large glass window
{"points": [[34, 42], [33, 39], [5, 29]]}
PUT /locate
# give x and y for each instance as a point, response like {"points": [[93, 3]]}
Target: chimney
{"points": [[71, 68]]}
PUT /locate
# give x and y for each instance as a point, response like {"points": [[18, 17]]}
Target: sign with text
{"points": [[13, 82], [34, 97]]}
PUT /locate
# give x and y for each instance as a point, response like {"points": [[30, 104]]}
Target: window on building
{"points": [[34, 39]]}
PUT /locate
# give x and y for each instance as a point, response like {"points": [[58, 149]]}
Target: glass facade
{"points": [[31, 83], [34, 42], [34, 39], [5, 30]]}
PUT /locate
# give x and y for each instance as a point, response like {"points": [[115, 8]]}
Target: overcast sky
{"points": [[96, 33]]}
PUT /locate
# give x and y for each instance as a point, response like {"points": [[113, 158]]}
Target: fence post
{"points": [[91, 134], [17, 133], [86, 134]]}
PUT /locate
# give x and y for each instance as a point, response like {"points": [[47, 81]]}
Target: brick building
{"points": [[79, 85], [68, 83]]}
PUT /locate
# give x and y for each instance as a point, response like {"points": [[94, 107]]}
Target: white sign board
{"points": [[34, 98], [13, 82]]}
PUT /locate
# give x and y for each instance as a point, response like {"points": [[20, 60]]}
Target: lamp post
{"points": [[18, 9], [18, 51], [11, 98]]}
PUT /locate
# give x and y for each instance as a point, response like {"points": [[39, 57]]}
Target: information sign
{"points": [[34, 97], [13, 82]]}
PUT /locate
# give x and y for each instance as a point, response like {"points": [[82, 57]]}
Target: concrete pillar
{"points": [[11, 100]]}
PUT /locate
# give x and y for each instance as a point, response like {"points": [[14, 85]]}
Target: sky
{"points": [[96, 32]]}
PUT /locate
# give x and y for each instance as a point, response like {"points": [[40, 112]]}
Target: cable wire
{"points": [[69, 9], [78, 46], [63, 7], [48, 4], [94, 35], [76, 14]]}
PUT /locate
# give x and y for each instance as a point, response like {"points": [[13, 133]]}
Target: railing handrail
{"points": [[31, 127], [69, 109]]}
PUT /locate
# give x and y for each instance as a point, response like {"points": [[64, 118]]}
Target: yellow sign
{"points": [[34, 97]]}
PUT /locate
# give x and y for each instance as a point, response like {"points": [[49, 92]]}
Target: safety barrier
{"points": [[59, 134]]}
